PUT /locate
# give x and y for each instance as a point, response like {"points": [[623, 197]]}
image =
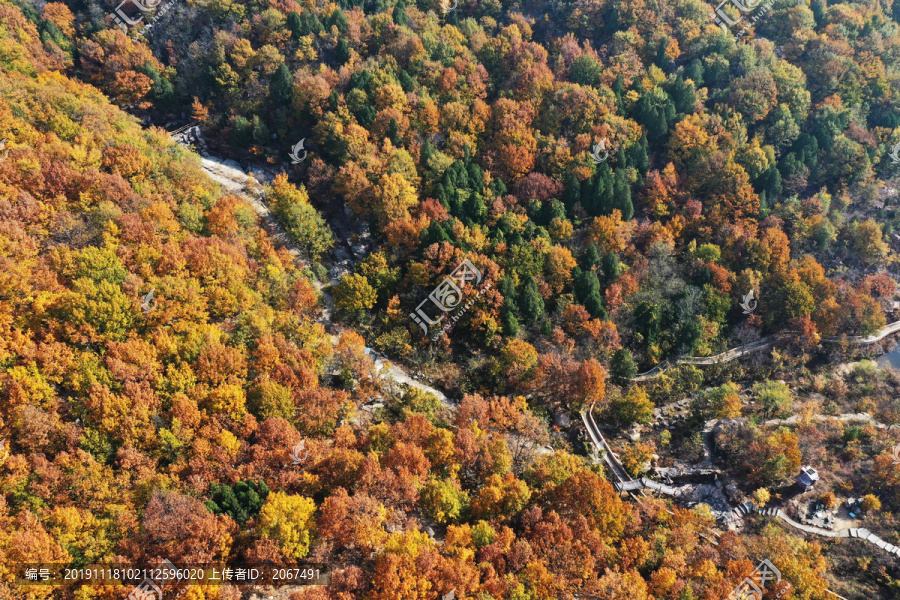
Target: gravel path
{"points": [[238, 183], [760, 344]]}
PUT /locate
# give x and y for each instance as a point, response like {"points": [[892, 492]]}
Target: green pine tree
{"points": [[531, 303], [637, 155], [475, 209], [587, 292], [657, 126], [281, 87], [434, 234], [295, 24], [406, 81], [606, 191], [770, 183], [571, 193], [399, 14], [683, 95], [551, 210], [622, 196], [546, 327], [818, 11], [599, 197], [339, 19], [259, 131], [592, 256], [509, 322], [440, 194], [475, 176], [611, 267], [394, 132], [240, 133], [661, 59], [342, 53], [694, 72], [622, 366], [508, 290], [585, 70], [647, 321], [619, 91]]}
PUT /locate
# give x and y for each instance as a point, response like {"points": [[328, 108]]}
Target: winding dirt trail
{"points": [[238, 183]]}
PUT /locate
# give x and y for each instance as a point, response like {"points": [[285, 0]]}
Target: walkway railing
{"points": [[760, 344]]}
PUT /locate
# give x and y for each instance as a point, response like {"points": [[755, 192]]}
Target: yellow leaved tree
{"points": [[287, 519]]}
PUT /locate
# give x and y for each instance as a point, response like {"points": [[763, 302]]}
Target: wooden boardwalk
{"points": [[602, 447], [625, 483], [760, 344]]}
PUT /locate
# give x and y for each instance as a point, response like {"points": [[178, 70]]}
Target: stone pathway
{"points": [[390, 370], [860, 533], [760, 344], [724, 357], [625, 483], [236, 182]]}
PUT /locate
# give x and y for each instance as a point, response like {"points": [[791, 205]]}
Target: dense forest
{"points": [[622, 182]]}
